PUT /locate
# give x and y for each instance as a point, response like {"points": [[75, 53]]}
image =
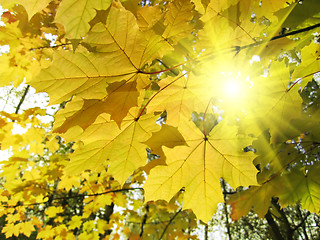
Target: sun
{"points": [[231, 83], [234, 88]]}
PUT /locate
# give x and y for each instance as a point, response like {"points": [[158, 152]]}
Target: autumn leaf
{"points": [[296, 183], [199, 166], [11, 229], [277, 101], [75, 15], [177, 20], [288, 188], [158, 100], [31, 6], [178, 97], [122, 96], [256, 197], [148, 16], [103, 141], [26, 228], [310, 65]]}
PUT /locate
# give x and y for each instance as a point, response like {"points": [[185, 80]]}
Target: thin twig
{"points": [[22, 99], [302, 222], [70, 197], [166, 227], [144, 220], [238, 48], [55, 46]]}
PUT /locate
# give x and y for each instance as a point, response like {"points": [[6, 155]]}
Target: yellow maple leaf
{"points": [[199, 166], [310, 64], [75, 222], [122, 96], [119, 146], [177, 20], [46, 233], [31, 6], [179, 97], [26, 228], [11, 229], [277, 101], [52, 211], [75, 15]]}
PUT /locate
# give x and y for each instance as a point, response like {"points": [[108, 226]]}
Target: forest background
{"points": [[187, 119]]}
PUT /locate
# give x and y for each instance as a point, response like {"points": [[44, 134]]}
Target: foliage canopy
{"points": [[188, 92]]}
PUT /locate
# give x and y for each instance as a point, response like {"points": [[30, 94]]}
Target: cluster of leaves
{"points": [[138, 79], [39, 202]]}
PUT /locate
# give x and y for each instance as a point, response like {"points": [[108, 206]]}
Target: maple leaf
{"points": [[277, 101], [199, 166], [310, 64], [31, 6], [75, 15], [11, 229], [75, 222], [52, 211], [103, 141], [256, 197], [89, 75], [179, 97], [288, 188], [122, 96], [26, 228], [148, 16], [301, 186], [177, 19]]}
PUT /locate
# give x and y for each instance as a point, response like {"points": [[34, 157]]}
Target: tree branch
{"points": [[22, 99], [56, 46], [238, 48], [144, 220], [70, 197], [274, 227], [289, 230], [223, 183], [302, 223]]}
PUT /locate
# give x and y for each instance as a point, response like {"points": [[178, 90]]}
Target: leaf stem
{"points": [[299, 79], [153, 96], [164, 70]]}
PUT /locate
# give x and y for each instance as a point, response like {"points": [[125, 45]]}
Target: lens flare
{"points": [[234, 90]]}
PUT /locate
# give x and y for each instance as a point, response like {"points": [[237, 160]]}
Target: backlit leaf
{"points": [[75, 15], [31, 6], [199, 166], [103, 141]]}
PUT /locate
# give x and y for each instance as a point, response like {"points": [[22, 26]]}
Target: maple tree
{"points": [[158, 100]]}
